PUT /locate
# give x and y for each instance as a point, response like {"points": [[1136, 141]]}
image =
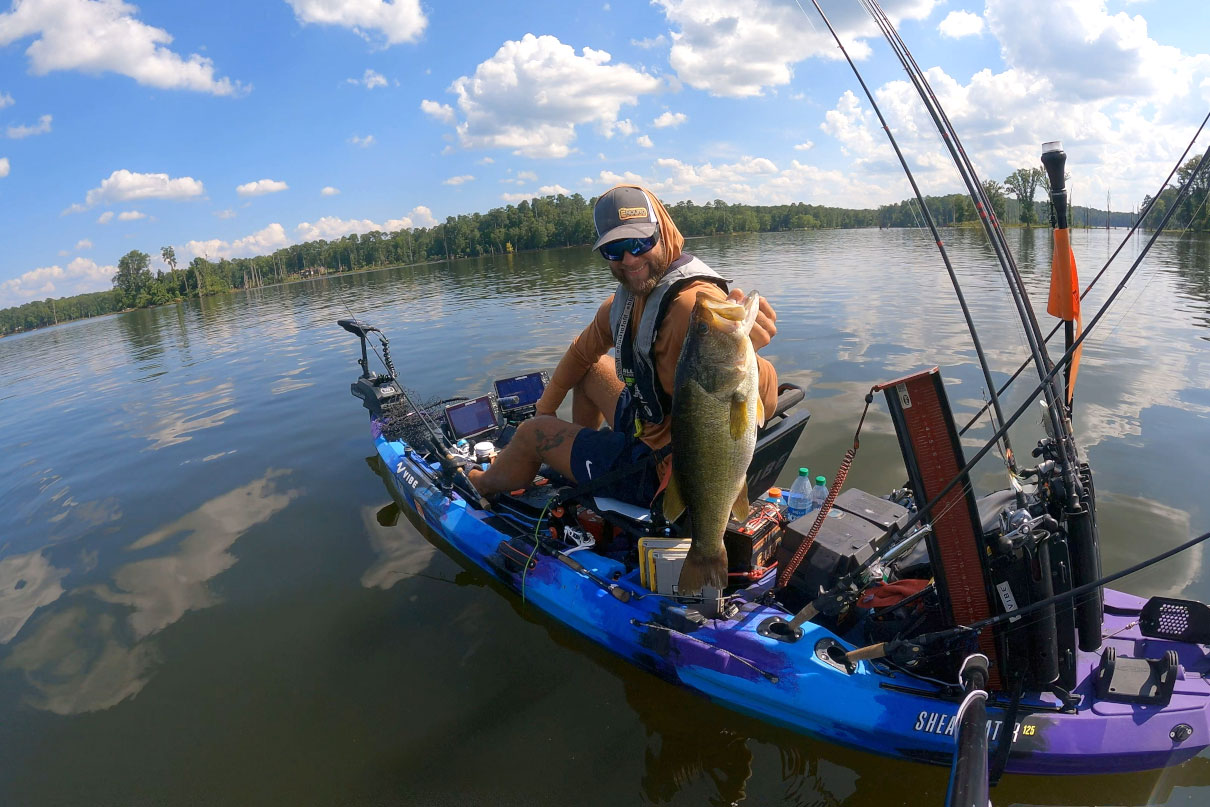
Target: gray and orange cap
{"points": [[624, 213]]}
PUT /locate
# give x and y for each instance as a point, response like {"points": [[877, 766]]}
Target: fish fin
{"points": [[760, 412], [739, 417], [700, 570], [674, 505], [739, 510]]}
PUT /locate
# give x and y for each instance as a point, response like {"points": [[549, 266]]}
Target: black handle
{"points": [[1054, 160]]}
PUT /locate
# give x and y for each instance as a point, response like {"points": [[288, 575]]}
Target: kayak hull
{"points": [[797, 684]]}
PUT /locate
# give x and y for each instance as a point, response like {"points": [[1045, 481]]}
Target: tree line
{"points": [[539, 223]]}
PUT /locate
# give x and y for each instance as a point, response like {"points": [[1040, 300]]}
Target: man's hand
{"points": [[765, 327]]}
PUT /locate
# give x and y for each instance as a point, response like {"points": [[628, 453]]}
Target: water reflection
{"points": [[93, 652], [27, 582]]}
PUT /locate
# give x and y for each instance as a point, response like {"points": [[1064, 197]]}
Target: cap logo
{"points": [[625, 213]]}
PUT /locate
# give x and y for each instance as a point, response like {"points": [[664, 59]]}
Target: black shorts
{"points": [[595, 452]]}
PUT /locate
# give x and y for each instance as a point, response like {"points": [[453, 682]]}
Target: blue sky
{"points": [[231, 129]]}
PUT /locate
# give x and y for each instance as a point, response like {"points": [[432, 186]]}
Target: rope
{"points": [[787, 572]]}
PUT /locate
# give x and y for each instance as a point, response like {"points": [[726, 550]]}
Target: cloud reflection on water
{"points": [[93, 652]]}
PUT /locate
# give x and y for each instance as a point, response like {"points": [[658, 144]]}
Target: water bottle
{"points": [[819, 492], [798, 500]]}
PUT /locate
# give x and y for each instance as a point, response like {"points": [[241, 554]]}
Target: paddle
{"points": [[968, 784]]}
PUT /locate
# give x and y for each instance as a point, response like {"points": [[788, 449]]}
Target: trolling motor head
{"points": [[1054, 159]]}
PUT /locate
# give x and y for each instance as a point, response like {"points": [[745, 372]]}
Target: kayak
{"points": [[740, 651]]}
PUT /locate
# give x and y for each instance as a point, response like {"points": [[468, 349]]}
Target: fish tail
{"points": [[701, 570]]}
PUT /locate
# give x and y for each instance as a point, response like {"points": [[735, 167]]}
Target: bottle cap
{"points": [[821, 480], [775, 493], [804, 472]]}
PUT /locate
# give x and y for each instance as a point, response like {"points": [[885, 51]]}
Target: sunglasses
{"points": [[614, 250]]}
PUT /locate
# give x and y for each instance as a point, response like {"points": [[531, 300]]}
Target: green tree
{"points": [[133, 277], [1023, 184], [995, 194]]}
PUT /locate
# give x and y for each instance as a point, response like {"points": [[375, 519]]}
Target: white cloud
{"points": [[530, 96], [124, 186], [83, 243], [131, 215], [806, 146], [652, 42], [395, 20], [5, 100], [958, 24], [225, 214], [526, 176], [644, 141], [41, 127], [623, 127], [364, 142], [369, 80], [737, 48], [513, 198], [260, 242], [261, 187], [80, 276], [1088, 53], [669, 119], [331, 227], [485, 161], [552, 190], [4, 167], [105, 217], [442, 112], [97, 36], [458, 180], [328, 190]]}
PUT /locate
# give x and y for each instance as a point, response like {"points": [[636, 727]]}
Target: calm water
{"points": [[208, 598]]}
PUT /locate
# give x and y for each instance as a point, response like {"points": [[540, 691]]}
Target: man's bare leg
{"points": [[541, 439], [595, 398]]}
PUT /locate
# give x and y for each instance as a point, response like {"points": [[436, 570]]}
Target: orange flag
{"points": [[1064, 301]]}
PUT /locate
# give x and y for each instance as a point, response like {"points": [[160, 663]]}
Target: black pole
{"points": [[968, 784], [1054, 160]]}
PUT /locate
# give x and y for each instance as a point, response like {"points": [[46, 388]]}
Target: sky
{"points": [[231, 129]]}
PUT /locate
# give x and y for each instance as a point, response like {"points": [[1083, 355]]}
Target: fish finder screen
{"points": [[527, 388], [472, 417]]}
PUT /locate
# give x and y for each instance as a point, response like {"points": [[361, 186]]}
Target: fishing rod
{"points": [[837, 596], [1033, 332], [1137, 224], [932, 227]]}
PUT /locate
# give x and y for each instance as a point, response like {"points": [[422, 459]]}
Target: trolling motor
{"points": [[380, 393]]}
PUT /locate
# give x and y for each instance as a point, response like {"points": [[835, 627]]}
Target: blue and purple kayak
{"points": [[804, 684]]}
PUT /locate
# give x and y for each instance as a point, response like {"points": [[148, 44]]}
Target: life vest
{"points": [[632, 357]]}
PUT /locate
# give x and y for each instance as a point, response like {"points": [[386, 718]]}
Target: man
{"points": [[645, 320]]}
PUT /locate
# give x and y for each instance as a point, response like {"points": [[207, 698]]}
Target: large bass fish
{"points": [[716, 408]]}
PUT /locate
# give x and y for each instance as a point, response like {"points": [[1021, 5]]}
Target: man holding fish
{"points": [[684, 371]]}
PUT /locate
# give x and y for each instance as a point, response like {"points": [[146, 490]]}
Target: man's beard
{"points": [[644, 287]]}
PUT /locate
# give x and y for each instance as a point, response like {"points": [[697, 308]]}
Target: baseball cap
{"points": [[624, 213]]}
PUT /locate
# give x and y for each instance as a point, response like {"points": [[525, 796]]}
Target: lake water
{"points": [[207, 596]]}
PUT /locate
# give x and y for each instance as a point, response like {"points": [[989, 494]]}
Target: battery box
{"points": [[752, 545], [843, 543]]}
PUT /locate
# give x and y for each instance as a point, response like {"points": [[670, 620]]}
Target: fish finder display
{"points": [[527, 389], [472, 417]]}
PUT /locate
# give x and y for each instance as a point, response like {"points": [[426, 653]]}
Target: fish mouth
{"points": [[727, 315]]}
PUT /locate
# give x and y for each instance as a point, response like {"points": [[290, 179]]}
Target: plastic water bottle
{"points": [[798, 500], [819, 492]]}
